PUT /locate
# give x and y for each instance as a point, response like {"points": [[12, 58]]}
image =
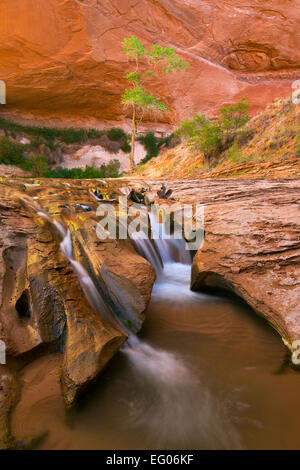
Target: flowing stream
{"points": [[205, 373]]}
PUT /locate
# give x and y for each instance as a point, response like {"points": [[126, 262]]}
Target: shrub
{"points": [[10, 152], [203, 135], [110, 145], [75, 173], [67, 135], [39, 166], [235, 116], [151, 144], [171, 141], [111, 170], [145, 160], [26, 164], [94, 133], [105, 171], [213, 137], [116, 134], [126, 147], [73, 136], [236, 155]]}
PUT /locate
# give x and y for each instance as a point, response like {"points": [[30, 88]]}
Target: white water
{"points": [[162, 249], [174, 403], [180, 405], [87, 285]]}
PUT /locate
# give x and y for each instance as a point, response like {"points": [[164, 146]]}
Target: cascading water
{"points": [[196, 377], [170, 249], [162, 249], [87, 285], [91, 293], [180, 405]]}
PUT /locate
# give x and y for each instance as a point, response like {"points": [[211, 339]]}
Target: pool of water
{"points": [[205, 373]]}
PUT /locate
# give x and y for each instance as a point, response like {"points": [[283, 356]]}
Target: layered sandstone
{"points": [[61, 60], [44, 304], [251, 245]]}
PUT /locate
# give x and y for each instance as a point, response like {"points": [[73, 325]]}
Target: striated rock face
{"points": [[96, 155], [62, 60], [9, 394], [252, 245], [268, 148], [44, 301]]}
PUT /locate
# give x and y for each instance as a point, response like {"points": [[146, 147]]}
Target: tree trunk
{"points": [[133, 138]]}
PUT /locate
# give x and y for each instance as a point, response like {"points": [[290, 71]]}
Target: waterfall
{"points": [[163, 248], [149, 250], [176, 404], [163, 372], [181, 406], [88, 287]]}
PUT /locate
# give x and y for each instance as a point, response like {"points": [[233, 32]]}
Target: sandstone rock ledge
{"points": [[252, 244], [43, 307]]}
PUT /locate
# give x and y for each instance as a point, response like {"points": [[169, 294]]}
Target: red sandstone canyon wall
{"points": [[61, 58]]}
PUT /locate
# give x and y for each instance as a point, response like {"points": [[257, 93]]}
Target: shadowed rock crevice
{"points": [[216, 284], [23, 305]]}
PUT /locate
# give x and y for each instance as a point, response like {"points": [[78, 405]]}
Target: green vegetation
{"points": [[213, 136], [235, 154], [11, 153], [116, 134], [151, 145], [160, 60], [75, 173], [111, 170], [39, 166], [68, 135], [235, 116]]}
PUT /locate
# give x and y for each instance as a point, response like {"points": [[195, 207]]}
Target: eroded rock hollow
{"points": [[62, 60]]}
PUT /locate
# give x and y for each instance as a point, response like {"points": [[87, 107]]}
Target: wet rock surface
{"points": [[252, 244], [251, 248], [42, 301]]}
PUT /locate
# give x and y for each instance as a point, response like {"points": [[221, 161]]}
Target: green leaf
{"points": [[171, 62], [144, 100], [133, 77], [235, 116], [133, 47]]}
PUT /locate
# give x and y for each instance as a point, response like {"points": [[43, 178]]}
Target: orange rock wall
{"points": [[61, 59]]}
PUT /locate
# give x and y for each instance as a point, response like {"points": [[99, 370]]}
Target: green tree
{"points": [[147, 63], [10, 152], [235, 116], [202, 134], [39, 166], [212, 136]]}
